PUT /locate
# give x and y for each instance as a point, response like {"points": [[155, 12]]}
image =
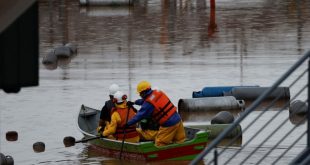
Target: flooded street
{"points": [[180, 46]]}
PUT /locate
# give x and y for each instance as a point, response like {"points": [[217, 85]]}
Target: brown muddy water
{"points": [[179, 46]]}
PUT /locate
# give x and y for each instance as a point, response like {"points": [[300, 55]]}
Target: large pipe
{"points": [[251, 93], [210, 104], [106, 2], [215, 91], [223, 117], [202, 109]]}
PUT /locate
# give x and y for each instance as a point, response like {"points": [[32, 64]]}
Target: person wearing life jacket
{"points": [[119, 116], [105, 114], [148, 127], [157, 105]]}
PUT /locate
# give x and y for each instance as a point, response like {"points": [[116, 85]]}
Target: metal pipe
{"points": [[210, 104], [215, 91], [212, 4], [215, 156], [251, 93], [308, 114]]}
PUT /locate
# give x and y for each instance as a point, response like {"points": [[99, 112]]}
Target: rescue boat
{"points": [[143, 151]]}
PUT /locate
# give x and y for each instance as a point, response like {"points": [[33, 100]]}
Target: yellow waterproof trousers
{"points": [[147, 134], [168, 135], [132, 140]]}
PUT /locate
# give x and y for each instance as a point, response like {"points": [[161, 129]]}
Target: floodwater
{"points": [[180, 46]]}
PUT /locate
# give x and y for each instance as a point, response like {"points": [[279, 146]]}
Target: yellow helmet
{"points": [[142, 86]]}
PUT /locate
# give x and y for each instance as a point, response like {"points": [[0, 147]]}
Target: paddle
{"points": [[70, 141], [124, 131]]}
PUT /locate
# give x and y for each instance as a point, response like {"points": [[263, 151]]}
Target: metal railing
{"points": [[276, 123]]}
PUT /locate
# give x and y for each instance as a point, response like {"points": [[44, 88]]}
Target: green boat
{"points": [[143, 151]]}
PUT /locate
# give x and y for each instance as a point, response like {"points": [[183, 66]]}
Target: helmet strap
{"points": [[143, 93]]}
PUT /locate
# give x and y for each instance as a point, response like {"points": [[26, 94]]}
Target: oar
{"points": [[124, 131], [70, 141]]}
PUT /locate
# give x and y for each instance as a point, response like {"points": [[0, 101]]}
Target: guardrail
{"points": [[228, 155]]}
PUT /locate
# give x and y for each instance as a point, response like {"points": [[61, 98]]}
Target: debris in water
{"points": [[11, 136], [39, 147]]}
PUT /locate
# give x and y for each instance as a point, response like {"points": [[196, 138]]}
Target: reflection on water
{"points": [[104, 11], [230, 142], [179, 46]]}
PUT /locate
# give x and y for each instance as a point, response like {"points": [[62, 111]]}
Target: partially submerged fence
{"points": [[273, 140]]}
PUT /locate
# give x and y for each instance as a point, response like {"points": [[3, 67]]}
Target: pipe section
{"points": [[215, 91], [251, 93], [210, 104], [223, 117]]}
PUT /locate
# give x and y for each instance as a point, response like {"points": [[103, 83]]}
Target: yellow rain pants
{"points": [[147, 134], [168, 135]]}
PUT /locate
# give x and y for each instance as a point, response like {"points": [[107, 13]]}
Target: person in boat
{"points": [[157, 105], [105, 114], [121, 113], [148, 127]]}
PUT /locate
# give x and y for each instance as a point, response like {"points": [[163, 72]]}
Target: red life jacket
{"points": [[164, 108], [130, 132]]}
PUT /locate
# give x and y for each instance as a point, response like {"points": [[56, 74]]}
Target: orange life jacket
{"points": [[164, 108], [130, 132]]}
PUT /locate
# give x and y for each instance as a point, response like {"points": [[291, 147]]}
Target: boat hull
{"points": [[142, 151]]}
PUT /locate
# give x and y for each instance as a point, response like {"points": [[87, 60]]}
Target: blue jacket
{"points": [[146, 111]]}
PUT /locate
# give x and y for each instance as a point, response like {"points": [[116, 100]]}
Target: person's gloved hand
{"points": [[130, 103], [99, 130]]}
